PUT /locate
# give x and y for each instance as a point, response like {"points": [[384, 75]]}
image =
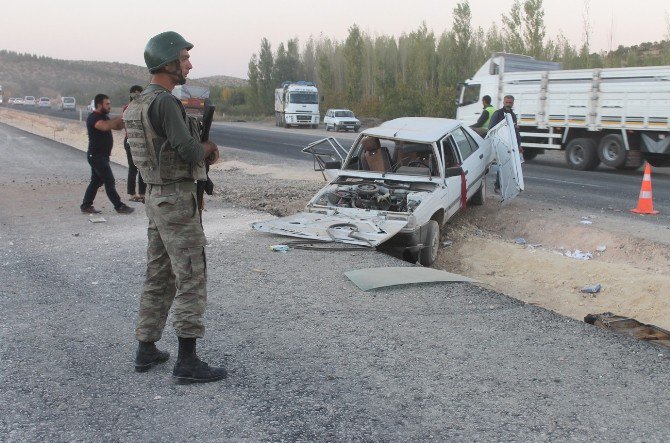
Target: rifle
{"points": [[205, 186]]}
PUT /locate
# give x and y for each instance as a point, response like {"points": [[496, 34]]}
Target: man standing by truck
{"points": [[167, 150], [481, 126]]}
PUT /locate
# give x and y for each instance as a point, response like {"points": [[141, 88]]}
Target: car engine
{"points": [[371, 195]]}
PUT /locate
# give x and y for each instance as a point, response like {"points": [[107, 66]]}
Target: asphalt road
{"points": [[311, 357], [548, 178]]}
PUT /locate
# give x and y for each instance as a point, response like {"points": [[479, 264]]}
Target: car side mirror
{"points": [[453, 171], [332, 165]]}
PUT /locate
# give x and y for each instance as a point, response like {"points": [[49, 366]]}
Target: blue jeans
{"points": [[101, 174]]}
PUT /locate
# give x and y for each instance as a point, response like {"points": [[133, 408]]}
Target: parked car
{"points": [[401, 182], [337, 119], [44, 102], [68, 104], [29, 100], [91, 106], [11, 101], [18, 101]]}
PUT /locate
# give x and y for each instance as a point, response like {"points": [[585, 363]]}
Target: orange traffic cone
{"points": [[645, 205]]}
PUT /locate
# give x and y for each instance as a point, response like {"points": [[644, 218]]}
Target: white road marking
{"points": [[564, 181]]}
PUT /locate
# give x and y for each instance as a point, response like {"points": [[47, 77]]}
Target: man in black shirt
{"points": [[100, 143]]}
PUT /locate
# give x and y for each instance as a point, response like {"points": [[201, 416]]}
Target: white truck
{"points": [[617, 116], [297, 104]]}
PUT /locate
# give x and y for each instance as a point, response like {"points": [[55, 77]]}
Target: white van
{"points": [[68, 103]]}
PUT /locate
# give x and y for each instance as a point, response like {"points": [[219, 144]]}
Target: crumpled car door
{"points": [[358, 230], [328, 155], [506, 151]]}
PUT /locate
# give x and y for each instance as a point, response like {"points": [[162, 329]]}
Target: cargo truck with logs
{"points": [[615, 116]]}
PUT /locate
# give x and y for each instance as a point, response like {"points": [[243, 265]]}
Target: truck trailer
{"points": [[617, 116], [297, 104]]}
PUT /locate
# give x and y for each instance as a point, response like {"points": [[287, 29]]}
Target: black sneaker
{"points": [[89, 210], [124, 209], [193, 370]]}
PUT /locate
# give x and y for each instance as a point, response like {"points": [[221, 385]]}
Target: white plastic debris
{"points": [[579, 255], [601, 248], [586, 222], [447, 243]]}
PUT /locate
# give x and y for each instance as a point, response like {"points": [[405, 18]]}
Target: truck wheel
{"points": [[529, 153], [428, 254], [581, 154], [612, 151], [327, 127], [480, 196]]}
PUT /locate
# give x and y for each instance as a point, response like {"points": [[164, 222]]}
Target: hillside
{"points": [[27, 74]]}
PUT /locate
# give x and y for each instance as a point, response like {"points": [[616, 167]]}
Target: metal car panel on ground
{"points": [[373, 278], [357, 230]]}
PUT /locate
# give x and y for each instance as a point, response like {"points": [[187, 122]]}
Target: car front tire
{"points": [[428, 253]]}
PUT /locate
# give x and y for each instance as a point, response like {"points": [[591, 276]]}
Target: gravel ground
{"points": [[310, 356]]}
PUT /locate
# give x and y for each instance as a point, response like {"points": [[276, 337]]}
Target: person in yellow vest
{"points": [[482, 124]]}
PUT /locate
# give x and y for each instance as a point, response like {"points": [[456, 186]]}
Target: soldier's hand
{"points": [[211, 152]]}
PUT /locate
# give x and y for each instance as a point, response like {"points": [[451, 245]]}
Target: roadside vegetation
{"points": [[416, 74]]}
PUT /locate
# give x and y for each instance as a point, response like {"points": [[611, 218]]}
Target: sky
{"points": [[226, 33]]}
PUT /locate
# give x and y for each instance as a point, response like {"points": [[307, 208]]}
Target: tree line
{"points": [[416, 74]]}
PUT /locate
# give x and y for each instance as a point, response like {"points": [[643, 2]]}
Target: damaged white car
{"points": [[401, 182]]}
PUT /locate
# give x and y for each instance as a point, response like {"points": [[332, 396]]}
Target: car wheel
{"points": [[356, 129], [336, 128], [581, 154], [480, 196], [428, 253], [612, 152], [327, 128]]}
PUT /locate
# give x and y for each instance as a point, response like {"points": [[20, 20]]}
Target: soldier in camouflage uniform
{"points": [[165, 144]]}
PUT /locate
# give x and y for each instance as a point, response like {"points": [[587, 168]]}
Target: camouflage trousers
{"points": [[176, 264]]}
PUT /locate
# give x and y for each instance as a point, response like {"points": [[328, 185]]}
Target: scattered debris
{"points": [[447, 243], [97, 220], [579, 255], [279, 248], [586, 222], [520, 241], [373, 278], [601, 248], [158, 397], [630, 326], [260, 271], [592, 289]]}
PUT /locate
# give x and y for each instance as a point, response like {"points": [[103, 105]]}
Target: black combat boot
{"points": [[148, 355], [190, 369]]}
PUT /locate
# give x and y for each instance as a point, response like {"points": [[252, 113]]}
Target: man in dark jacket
{"points": [[498, 116], [100, 143]]}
